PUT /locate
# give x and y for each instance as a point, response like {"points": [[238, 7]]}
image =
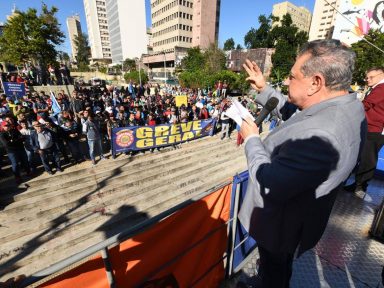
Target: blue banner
{"points": [[243, 243], [146, 137], [13, 89]]}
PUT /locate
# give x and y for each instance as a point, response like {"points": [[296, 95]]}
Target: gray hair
{"points": [[332, 59]]}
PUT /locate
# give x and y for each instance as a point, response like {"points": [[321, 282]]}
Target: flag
{"points": [[55, 106]]}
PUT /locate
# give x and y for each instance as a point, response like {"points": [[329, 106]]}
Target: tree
{"points": [[368, 56], [229, 44], [288, 39], [129, 64], [238, 47], [194, 60], [83, 52], [260, 38], [63, 57], [31, 37], [214, 59], [135, 76]]}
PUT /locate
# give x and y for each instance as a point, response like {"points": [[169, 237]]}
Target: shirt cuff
{"points": [[250, 137]]}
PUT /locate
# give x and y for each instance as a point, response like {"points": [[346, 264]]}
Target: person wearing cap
{"points": [[12, 140], [43, 142]]}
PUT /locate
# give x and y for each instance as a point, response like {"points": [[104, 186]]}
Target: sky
{"points": [[236, 19]]}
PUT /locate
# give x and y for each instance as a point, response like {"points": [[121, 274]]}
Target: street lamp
{"points": [[165, 71], [140, 72]]}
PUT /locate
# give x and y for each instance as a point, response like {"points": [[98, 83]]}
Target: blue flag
{"points": [[55, 106]]}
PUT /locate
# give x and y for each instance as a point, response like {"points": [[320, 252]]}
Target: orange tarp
{"points": [[174, 253]]}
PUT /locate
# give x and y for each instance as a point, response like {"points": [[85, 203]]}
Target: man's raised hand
{"points": [[255, 76]]}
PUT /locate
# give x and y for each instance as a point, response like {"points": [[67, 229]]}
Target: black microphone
{"points": [[268, 108]]}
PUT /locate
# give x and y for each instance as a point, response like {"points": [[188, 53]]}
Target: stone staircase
{"points": [[56, 216]]}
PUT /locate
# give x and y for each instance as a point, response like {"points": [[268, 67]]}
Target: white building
{"points": [[357, 19], [98, 33], [74, 30], [323, 19], [127, 29]]}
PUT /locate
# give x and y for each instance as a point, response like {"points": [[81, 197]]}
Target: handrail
{"points": [[116, 239]]}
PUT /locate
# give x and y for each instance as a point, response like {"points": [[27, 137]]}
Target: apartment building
{"points": [[323, 21], [74, 30], [98, 30], [301, 16]]}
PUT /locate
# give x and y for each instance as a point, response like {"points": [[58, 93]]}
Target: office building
{"points": [[127, 29], [301, 16], [74, 30], [178, 25], [98, 33], [323, 20]]}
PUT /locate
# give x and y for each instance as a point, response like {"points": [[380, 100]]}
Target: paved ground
{"points": [[345, 256]]}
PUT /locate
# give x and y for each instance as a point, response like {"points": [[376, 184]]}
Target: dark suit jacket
{"points": [[295, 172]]}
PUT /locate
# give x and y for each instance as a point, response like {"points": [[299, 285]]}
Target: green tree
{"points": [[214, 59], [288, 39], [238, 47], [194, 60], [28, 36], [129, 64], [229, 44], [83, 52], [260, 38], [135, 76], [368, 56]]}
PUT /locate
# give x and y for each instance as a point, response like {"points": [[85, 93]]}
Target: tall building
{"points": [[178, 25], [301, 16], [1, 28], [74, 29], [127, 29], [323, 21], [183, 23], [98, 33]]}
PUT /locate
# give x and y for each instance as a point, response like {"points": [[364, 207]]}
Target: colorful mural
{"points": [[358, 17]]}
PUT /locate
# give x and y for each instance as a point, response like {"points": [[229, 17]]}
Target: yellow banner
{"points": [[180, 100]]}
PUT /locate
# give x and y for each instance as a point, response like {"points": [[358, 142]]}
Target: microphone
{"points": [[268, 107]]}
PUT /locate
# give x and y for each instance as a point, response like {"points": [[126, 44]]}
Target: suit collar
{"points": [[300, 115]]}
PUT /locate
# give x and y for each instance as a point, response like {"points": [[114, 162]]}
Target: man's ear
{"points": [[317, 83]]}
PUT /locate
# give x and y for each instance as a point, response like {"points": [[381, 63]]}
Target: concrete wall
{"points": [[68, 89]]}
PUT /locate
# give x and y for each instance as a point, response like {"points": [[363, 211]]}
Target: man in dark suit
{"points": [[374, 112], [295, 173]]}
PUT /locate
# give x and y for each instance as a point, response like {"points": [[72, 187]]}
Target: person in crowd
{"points": [[374, 112], [296, 172], [224, 119], [26, 131], [13, 142], [40, 108], [71, 135], [43, 142], [92, 129]]}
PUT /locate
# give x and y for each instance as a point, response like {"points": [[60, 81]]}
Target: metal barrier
{"points": [[102, 247]]}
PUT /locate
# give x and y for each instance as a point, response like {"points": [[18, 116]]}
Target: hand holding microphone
{"points": [[251, 128]]}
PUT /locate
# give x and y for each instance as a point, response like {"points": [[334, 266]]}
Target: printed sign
{"points": [[13, 89], [147, 137]]}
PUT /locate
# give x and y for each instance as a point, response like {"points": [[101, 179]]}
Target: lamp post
{"points": [[165, 71], [140, 72]]}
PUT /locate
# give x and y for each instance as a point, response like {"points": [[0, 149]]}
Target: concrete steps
{"points": [[68, 212]]}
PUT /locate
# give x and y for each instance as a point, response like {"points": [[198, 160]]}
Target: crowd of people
{"points": [[82, 128], [37, 75]]}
